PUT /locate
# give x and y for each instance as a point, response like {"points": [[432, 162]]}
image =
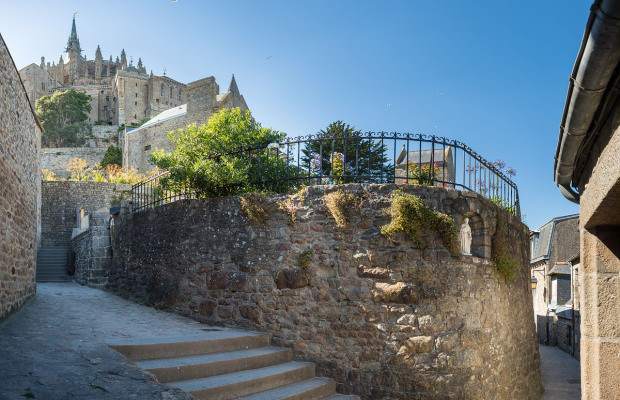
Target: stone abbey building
{"points": [[124, 94], [121, 93]]}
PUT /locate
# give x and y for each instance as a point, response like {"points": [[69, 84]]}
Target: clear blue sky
{"points": [[501, 67]]}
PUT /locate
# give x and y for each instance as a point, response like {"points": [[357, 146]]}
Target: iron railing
{"points": [[373, 157]]}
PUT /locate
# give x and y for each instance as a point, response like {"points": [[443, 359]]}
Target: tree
{"points": [[63, 116], [113, 155], [343, 154], [214, 159]]}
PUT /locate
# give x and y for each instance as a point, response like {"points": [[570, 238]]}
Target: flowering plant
{"points": [[337, 161], [422, 174]]}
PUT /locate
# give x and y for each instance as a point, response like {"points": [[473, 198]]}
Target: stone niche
{"points": [[381, 317]]}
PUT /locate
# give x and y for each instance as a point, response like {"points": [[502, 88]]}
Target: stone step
{"points": [[202, 366], [243, 383], [339, 396], [182, 346], [310, 389]]}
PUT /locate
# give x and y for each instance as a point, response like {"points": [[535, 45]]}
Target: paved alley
{"points": [[560, 374], [53, 348]]}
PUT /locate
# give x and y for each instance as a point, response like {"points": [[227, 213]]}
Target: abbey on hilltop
{"points": [[121, 93]]}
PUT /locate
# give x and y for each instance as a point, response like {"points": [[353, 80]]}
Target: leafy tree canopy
{"points": [[193, 164], [113, 155], [63, 116], [343, 151]]}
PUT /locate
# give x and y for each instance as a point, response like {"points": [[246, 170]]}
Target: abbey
{"points": [[121, 93]]}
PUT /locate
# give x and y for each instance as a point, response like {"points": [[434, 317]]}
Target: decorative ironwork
{"points": [[372, 157]]}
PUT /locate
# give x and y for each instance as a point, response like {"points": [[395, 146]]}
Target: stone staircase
{"points": [[227, 364], [52, 264]]}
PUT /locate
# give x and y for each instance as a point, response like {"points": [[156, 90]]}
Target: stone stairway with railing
{"points": [[228, 364], [52, 264]]}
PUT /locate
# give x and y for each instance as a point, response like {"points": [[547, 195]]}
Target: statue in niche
{"points": [[465, 238]]}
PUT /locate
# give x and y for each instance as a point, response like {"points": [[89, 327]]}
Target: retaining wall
{"points": [[383, 318]]}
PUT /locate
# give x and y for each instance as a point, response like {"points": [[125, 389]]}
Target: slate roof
{"points": [[422, 157], [560, 269], [546, 239], [166, 115]]}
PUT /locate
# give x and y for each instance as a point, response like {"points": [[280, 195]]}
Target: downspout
{"points": [[596, 61]]}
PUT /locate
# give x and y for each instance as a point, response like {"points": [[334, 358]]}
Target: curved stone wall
{"points": [[383, 318]]}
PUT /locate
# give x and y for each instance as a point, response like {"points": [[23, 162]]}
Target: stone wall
{"points": [[383, 318], [20, 188], [92, 251], [57, 159], [62, 200]]}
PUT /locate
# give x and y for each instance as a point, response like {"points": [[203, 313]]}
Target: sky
{"points": [[491, 74]]}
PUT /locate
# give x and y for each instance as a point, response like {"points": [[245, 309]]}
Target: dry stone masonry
{"points": [[20, 188], [383, 318]]}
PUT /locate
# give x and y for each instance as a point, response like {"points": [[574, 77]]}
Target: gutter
{"points": [[595, 64]]}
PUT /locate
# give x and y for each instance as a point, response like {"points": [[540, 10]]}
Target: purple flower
{"points": [[315, 162], [469, 168], [511, 171], [499, 164]]}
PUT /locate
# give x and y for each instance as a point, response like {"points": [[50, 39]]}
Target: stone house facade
{"points": [[20, 184], [203, 100], [587, 171], [551, 247]]}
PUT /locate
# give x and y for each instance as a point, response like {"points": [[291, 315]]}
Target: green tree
{"points": [[208, 160], [113, 155], [342, 152], [63, 116]]}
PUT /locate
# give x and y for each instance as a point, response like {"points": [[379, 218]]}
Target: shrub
{"points": [[339, 204], [208, 159], [113, 155], [305, 258]]}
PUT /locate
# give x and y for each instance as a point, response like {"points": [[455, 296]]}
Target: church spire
{"points": [[233, 85], [73, 38]]}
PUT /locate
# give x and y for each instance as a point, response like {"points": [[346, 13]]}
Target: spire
{"points": [[73, 39], [123, 60], [233, 85], [98, 55], [140, 66]]}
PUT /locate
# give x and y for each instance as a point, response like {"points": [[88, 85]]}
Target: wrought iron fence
{"points": [[373, 157]]}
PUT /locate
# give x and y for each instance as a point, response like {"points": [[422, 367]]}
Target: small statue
{"points": [[465, 238]]}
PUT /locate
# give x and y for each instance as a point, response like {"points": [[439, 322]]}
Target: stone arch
{"points": [[479, 235]]}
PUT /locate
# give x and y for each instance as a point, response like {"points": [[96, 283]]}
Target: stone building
{"points": [[121, 93], [203, 100], [20, 184], [419, 162], [551, 247], [587, 171]]}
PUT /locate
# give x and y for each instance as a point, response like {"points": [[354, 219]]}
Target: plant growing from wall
{"points": [[340, 204], [304, 258], [410, 215], [505, 263], [252, 206], [48, 175]]}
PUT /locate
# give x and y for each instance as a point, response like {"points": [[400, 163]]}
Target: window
{"points": [[135, 103], [107, 98], [147, 147], [157, 101], [162, 90], [136, 84], [180, 93], [170, 92], [105, 110], [27, 72], [136, 94]]}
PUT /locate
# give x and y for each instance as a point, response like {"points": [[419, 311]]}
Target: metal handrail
{"points": [[371, 157]]}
